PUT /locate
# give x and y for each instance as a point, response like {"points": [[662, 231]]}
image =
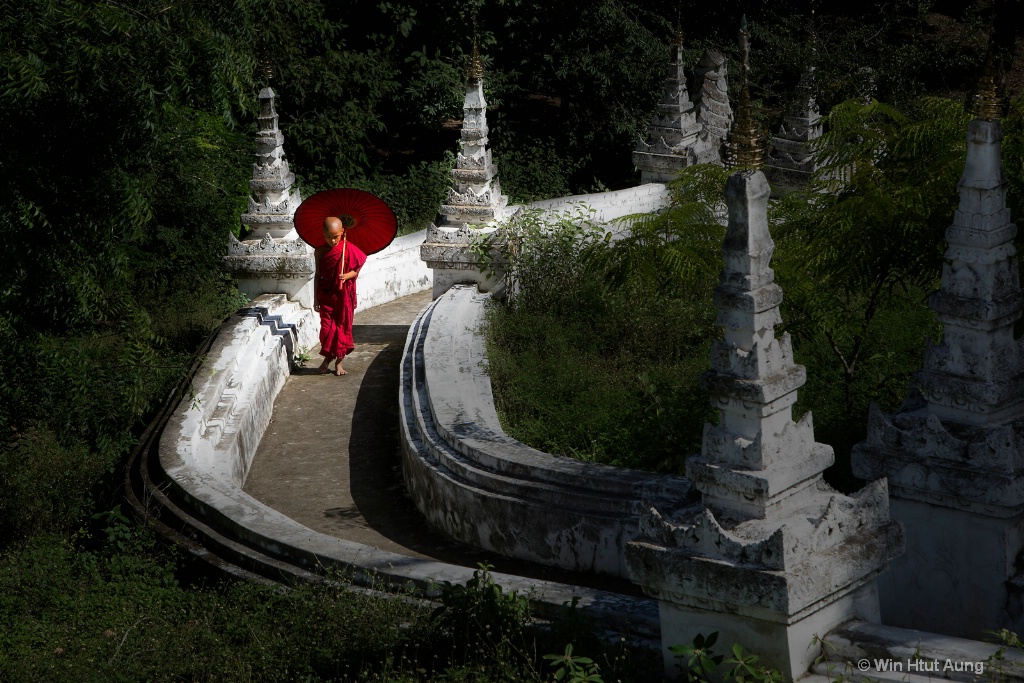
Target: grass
{"points": [[563, 391], [111, 603], [604, 364], [600, 371]]}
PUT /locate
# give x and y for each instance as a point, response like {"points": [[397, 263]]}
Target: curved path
{"points": [[330, 457]]}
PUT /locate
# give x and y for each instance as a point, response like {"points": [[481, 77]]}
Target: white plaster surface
{"points": [[394, 272], [788, 647], [208, 443], [953, 554], [609, 206], [479, 485], [954, 452]]}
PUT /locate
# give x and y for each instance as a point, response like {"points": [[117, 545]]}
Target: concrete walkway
{"points": [[330, 457]]}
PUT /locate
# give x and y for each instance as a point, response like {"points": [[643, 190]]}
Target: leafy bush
{"points": [[45, 483], [480, 618], [597, 355]]}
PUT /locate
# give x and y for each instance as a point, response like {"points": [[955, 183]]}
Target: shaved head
{"points": [[332, 225]]}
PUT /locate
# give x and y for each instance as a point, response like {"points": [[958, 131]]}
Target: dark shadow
{"points": [[375, 476], [311, 368], [379, 334], [343, 513]]}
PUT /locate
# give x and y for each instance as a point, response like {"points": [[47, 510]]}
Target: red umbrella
{"points": [[374, 222]]}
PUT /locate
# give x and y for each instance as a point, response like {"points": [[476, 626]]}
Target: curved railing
{"points": [[484, 488]]}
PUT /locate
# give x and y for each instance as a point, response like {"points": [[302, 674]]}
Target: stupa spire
{"points": [[745, 146], [766, 518], [474, 205], [672, 136], [954, 453], [272, 204], [791, 161], [988, 101], [272, 259], [975, 374]]}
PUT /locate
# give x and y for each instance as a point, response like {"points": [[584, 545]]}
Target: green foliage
{"points": [[111, 609], [593, 357], [532, 170], [700, 663], [697, 659], [574, 669], [45, 483], [856, 264], [857, 261], [997, 667], [675, 248], [416, 195], [479, 617]]}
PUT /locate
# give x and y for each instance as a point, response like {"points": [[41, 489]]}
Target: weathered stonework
{"points": [[791, 163], [671, 137], [474, 204], [711, 102], [954, 452], [480, 486], [272, 206], [774, 555], [273, 259]]}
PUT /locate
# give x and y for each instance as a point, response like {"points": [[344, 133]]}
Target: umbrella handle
{"points": [[344, 247]]}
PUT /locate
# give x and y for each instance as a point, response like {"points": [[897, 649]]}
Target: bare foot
{"points": [[323, 370], [339, 371]]}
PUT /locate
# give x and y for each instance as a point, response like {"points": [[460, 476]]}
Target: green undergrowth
{"points": [[599, 351], [582, 388], [112, 603], [594, 357]]}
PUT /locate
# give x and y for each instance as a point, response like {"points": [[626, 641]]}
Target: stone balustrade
{"points": [[608, 206], [207, 446], [394, 272], [482, 487]]}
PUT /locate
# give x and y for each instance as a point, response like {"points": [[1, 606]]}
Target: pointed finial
{"points": [[744, 43], [988, 102], [745, 140], [679, 33], [267, 67], [476, 64], [813, 25]]}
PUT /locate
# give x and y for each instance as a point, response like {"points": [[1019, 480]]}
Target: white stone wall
{"points": [[208, 443], [482, 487], [395, 272], [232, 400], [608, 206]]}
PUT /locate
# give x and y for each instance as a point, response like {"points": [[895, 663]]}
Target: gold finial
{"points": [[744, 42], [267, 67], [988, 102], [476, 64], [744, 139]]}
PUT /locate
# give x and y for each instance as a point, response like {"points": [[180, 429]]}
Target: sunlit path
{"points": [[330, 458]]}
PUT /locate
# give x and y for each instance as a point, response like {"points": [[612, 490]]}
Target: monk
{"points": [[334, 291]]}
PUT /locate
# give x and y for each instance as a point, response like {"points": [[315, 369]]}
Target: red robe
{"points": [[338, 299]]}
